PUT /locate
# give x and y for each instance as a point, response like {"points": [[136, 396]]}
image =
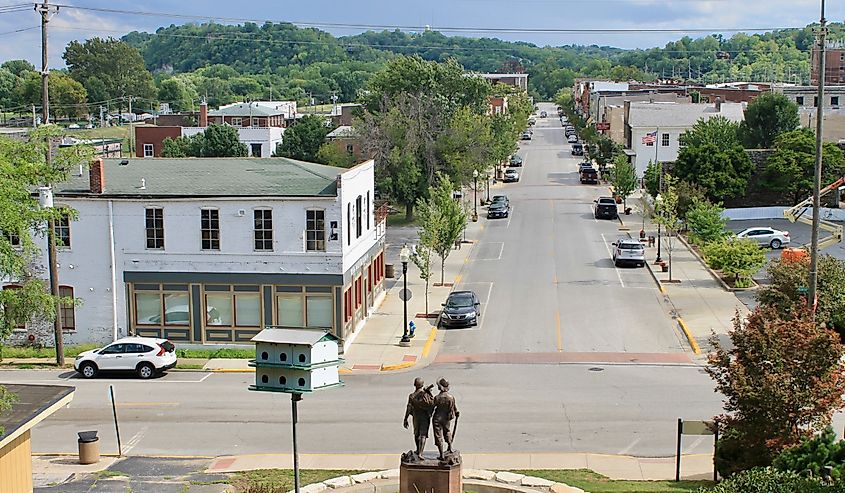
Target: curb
{"points": [[399, 366], [230, 370], [656, 280], [692, 342]]}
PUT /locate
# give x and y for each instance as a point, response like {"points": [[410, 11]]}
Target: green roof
{"points": [[209, 177]]}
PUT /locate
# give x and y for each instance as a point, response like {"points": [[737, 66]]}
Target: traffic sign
{"points": [[405, 294]]}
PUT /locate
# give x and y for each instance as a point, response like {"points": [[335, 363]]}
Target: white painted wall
{"points": [[268, 137], [356, 182], [646, 153]]}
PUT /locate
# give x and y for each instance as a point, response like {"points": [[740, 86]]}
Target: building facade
{"points": [[667, 122], [208, 251], [834, 59]]}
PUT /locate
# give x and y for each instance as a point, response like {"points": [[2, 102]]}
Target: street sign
{"points": [[405, 294], [803, 290], [603, 126], [696, 428]]}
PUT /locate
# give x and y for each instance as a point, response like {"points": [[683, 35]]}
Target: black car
{"points": [[516, 161], [460, 310], [498, 209], [577, 150], [501, 198], [606, 208]]}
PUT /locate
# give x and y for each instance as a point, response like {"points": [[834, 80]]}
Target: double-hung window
{"points": [[210, 229], [315, 230], [155, 227], [263, 229]]}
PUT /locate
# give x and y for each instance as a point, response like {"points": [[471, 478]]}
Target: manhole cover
{"points": [[596, 368]]}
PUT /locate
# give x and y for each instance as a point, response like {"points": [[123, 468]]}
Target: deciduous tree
{"points": [[782, 379], [302, 141], [791, 168], [623, 177], [705, 222], [713, 158], [443, 219], [215, 141], [740, 258], [769, 115]]}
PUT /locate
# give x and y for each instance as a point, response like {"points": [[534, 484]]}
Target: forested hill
{"points": [[284, 49]]}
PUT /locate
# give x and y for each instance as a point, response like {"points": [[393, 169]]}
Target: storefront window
{"points": [[176, 309], [290, 313], [218, 308], [320, 311], [148, 308], [248, 310]]}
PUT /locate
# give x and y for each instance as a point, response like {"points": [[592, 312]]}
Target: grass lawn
{"points": [[231, 353], [596, 483], [400, 220], [101, 133], [19, 352], [281, 480]]}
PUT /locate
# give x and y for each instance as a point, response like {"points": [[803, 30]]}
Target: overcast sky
{"points": [[72, 23]]}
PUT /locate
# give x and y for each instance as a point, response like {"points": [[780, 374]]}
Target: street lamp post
{"points": [[475, 191], [488, 188], [658, 259], [404, 257]]}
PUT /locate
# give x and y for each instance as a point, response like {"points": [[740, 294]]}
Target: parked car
{"points": [[532, 121], [511, 175], [569, 129], [73, 126], [501, 198], [460, 310], [498, 209], [589, 175], [577, 149], [145, 356], [543, 114], [572, 139], [770, 237], [526, 136], [516, 161], [628, 251], [605, 208]]}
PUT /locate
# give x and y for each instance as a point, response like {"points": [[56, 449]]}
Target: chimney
{"points": [[718, 104], [97, 176], [203, 114]]}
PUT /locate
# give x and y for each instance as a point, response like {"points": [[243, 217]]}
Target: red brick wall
{"points": [[154, 136]]}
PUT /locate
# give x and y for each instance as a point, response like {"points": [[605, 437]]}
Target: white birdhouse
{"points": [[295, 360]]}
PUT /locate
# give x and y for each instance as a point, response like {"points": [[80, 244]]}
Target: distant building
{"points": [[343, 114], [102, 147], [519, 81], [347, 141], [834, 58], [669, 121]]}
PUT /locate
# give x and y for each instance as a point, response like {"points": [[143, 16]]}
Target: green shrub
{"points": [[770, 480], [739, 451], [739, 258], [813, 455]]}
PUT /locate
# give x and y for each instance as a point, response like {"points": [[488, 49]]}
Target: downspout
{"points": [[113, 273]]}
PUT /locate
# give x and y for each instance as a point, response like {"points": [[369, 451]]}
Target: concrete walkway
{"points": [[699, 302], [612, 466]]}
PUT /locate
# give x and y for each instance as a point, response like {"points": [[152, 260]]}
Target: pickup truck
{"points": [[589, 175]]}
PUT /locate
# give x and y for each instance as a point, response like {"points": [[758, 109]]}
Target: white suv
{"points": [[144, 355], [627, 250]]}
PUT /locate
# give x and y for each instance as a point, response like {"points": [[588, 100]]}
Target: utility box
{"points": [[295, 361]]}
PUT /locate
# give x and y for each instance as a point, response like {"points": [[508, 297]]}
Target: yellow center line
{"points": [[557, 324]]}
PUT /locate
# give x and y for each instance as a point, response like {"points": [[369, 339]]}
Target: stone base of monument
{"points": [[428, 474]]}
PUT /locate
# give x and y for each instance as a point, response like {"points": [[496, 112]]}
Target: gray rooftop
{"points": [[343, 131], [679, 114], [209, 177], [246, 110], [33, 401], [293, 336]]}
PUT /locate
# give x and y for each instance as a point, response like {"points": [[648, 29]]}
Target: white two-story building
{"points": [[211, 250]]}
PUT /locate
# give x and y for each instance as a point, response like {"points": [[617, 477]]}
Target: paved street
{"points": [[571, 355]]}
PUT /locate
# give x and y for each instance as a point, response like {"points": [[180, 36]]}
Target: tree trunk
{"points": [[426, 297], [442, 269], [409, 211]]}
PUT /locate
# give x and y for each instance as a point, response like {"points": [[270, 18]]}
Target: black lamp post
{"points": [[488, 188], [404, 257], [475, 191], [658, 259]]}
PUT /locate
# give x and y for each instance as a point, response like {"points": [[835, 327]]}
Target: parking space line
{"points": [[610, 254], [486, 302]]}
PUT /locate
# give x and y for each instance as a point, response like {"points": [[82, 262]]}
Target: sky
{"points": [[495, 16]]}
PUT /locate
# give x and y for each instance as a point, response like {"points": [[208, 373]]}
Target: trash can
{"points": [[388, 271], [89, 447]]}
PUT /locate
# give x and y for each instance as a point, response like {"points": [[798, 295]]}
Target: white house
{"points": [[669, 121], [212, 250]]}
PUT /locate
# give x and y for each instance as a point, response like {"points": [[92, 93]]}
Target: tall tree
{"points": [[782, 379], [302, 141], [624, 179], [18, 67], [215, 141], [768, 116], [109, 69], [791, 168], [67, 96], [179, 92], [443, 220], [713, 158]]}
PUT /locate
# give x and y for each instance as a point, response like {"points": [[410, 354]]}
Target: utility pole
{"points": [[817, 181], [44, 10], [131, 126]]}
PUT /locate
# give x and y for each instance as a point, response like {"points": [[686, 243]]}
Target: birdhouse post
{"points": [[295, 361]]}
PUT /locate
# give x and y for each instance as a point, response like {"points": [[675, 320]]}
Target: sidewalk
{"points": [[699, 302], [697, 466]]}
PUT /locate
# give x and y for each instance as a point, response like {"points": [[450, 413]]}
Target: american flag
{"points": [[650, 138]]}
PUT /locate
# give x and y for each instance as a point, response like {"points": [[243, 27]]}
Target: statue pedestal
{"points": [[430, 475]]}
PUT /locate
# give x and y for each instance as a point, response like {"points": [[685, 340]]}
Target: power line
{"points": [[20, 30], [466, 29]]}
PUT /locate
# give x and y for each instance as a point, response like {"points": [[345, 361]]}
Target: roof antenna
{"points": [[143, 184]]}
